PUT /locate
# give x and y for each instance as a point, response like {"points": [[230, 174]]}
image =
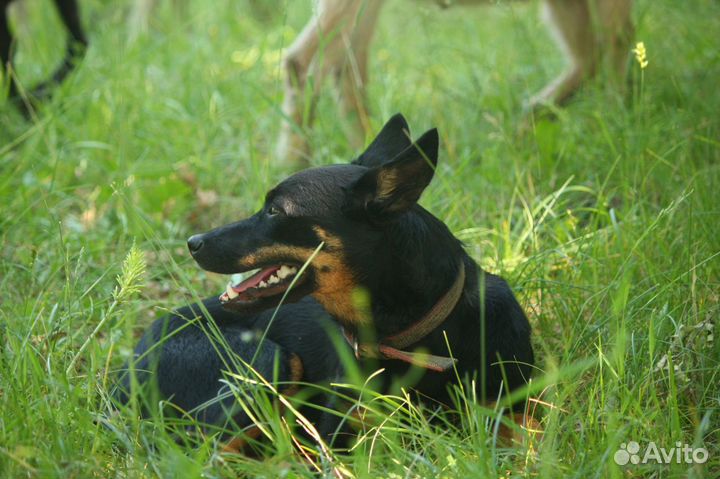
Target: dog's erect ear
{"points": [[390, 142], [394, 187]]}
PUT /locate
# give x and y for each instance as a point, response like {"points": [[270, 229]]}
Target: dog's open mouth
{"points": [[262, 283]]}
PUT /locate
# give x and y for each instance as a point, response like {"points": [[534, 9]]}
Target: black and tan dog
{"points": [[391, 274]]}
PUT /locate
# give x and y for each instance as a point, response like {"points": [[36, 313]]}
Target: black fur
{"points": [[177, 360], [390, 142], [394, 249]]}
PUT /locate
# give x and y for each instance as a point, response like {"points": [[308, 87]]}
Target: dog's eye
{"points": [[274, 210]]}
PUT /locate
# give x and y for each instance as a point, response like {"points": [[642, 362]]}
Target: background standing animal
{"points": [[337, 43]]}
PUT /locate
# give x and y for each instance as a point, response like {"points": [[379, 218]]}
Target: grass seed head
{"points": [[641, 55]]}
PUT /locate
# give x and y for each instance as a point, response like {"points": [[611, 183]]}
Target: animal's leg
{"points": [[139, 17], [70, 15], [352, 78], [570, 21], [5, 50], [301, 60], [76, 45], [617, 32]]}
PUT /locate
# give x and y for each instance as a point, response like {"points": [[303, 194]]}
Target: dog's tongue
{"points": [[255, 279]]}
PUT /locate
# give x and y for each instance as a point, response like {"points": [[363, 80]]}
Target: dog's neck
{"points": [[425, 259], [391, 347]]}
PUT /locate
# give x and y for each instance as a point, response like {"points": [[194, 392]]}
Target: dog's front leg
{"points": [[332, 423]]}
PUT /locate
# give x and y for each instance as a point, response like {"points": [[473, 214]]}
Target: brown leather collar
{"points": [[389, 347]]}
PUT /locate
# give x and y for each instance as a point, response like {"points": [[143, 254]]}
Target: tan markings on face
{"points": [[337, 286], [333, 242], [334, 279]]}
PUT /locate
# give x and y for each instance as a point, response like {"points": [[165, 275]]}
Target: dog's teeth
{"points": [[273, 280], [230, 292], [263, 284], [284, 271]]}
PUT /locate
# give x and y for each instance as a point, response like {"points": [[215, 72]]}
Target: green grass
{"points": [[605, 221]]}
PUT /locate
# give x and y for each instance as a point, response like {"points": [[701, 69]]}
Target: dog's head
{"points": [[349, 208]]}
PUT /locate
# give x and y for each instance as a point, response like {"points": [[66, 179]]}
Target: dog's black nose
{"points": [[195, 243]]}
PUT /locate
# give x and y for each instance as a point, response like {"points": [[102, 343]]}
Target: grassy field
{"points": [[606, 222]]}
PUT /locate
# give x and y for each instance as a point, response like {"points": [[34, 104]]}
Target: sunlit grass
{"points": [[605, 222]]}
